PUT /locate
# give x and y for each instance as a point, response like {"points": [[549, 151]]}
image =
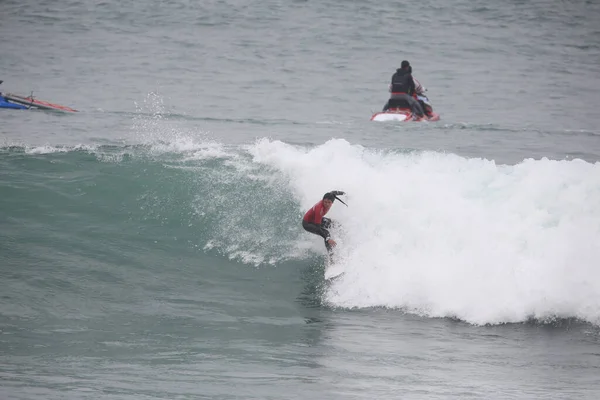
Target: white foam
{"points": [[47, 149], [443, 235], [153, 127]]}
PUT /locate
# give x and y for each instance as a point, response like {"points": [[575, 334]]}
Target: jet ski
{"points": [[19, 102], [404, 112]]}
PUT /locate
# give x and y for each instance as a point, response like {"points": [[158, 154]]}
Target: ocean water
{"points": [[151, 246]]}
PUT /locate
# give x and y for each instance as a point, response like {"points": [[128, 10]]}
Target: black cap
{"points": [[404, 64]]}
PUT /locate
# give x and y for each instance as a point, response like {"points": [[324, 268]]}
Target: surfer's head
{"points": [[328, 199], [405, 65], [329, 196]]}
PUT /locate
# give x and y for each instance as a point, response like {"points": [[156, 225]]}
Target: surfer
{"points": [[402, 90], [314, 221]]}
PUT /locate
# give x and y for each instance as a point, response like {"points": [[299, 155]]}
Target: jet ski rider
{"points": [[402, 90]]}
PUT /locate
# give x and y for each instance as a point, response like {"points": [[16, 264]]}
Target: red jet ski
{"points": [[405, 113]]}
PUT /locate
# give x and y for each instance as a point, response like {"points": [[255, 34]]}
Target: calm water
{"points": [[151, 247]]}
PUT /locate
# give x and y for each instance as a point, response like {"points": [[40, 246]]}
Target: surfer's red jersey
{"points": [[316, 213]]}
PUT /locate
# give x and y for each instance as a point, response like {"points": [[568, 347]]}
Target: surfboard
{"points": [[333, 271], [332, 279]]}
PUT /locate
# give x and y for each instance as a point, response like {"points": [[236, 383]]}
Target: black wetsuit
{"points": [[321, 230], [403, 87]]}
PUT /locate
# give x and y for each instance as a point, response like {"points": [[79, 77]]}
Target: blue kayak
{"points": [[5, 103]]}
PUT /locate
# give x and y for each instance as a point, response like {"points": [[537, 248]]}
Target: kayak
{"points": [[403, 114], [10, 100], [4, 103]]}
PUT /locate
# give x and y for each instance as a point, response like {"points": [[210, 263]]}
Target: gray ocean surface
{"points": [[151, 245]]}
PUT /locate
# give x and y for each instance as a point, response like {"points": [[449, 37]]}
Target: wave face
{"points": [[434, 234], [447, 236]]}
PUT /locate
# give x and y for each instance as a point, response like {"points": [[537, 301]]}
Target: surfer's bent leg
{"points": [[316, 229], [320, 230]]}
